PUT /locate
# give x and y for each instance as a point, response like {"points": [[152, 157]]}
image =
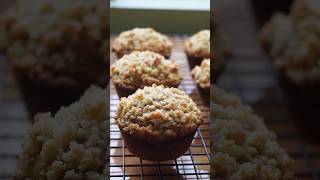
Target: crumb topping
{"points": [[158, 112], [201, 74], [46, 38], [140, 69], [199, 44], [141, 39], [243, 147], [293, 42], [70, 145]]}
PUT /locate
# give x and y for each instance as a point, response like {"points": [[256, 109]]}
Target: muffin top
{"points": [[201, 74], [157, 113], [52, 39], [70, 145], [243, 147], [145, 68], [293, 42], [141, 39], [198, 45]]}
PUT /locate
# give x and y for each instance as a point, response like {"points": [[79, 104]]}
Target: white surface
{"points": [[196, 5]]}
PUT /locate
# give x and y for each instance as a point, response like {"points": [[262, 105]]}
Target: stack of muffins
{"points": [[154, 116]]}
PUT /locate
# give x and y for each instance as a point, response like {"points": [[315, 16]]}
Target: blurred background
{"points": [[251, 73], [166, 16]]}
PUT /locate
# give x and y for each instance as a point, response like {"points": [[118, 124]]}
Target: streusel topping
{"points": [[70, 145], [201, 74], [140, 69], [50, 39], [141, 39], [293, 42], [159, 112], [243, 147], [199, 44]]}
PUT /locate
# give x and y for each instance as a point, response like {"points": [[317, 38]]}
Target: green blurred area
{"points": [[178, 17]]}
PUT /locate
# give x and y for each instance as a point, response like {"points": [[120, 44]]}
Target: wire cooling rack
{"points": [[194, 164]]}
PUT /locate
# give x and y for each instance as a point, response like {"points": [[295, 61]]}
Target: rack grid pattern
{"points": [[194, 164]]}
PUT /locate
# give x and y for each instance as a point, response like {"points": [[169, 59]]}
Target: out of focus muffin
{"points": [[293, 43], [197, 47], [72, 144], [158, 123], [145, 68], [242, 145], [142, 39], [201, 75], [56, 49]]}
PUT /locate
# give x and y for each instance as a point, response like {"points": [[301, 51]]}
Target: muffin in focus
{"points": [[201, 75], [56, 49], [142, 39], [242, 146], [140, 69], [158, 123], [197, 47], [293, 42], [72, 144]]}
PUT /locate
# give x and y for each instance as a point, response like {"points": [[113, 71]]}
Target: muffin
{"points": [[292, 42], [140, 69], [201, 75], [72, 144], [158, 123], [197, 47], [242, 145], [264, 9], [142, 39], [55, 49]]}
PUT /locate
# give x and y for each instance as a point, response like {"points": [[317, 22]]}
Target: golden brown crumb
{"points": [[142, 39], [140, 69], [70, 145], [243, 147], [158, 113], [199, 44], [201, 74]]}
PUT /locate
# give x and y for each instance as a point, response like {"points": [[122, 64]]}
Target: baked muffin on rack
{"points": [[293, 43], [56, 49], [72, 144], [142, 39], [242, 146], [158, 123], [144, 68], [197, 47], [201, 75]]}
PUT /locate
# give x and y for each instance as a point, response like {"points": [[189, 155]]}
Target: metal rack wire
{"points": [[194, 164]]}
